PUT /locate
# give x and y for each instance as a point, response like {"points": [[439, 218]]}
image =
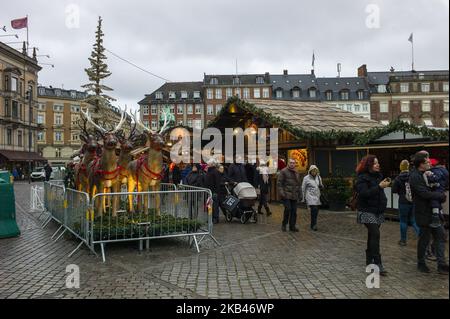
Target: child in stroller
{"points": [[239, 202]]}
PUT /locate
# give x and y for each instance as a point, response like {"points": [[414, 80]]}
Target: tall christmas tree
{"points": [[97, 73]]}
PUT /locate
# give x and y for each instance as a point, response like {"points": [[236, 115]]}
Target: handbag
{"points": [[354, 201]]}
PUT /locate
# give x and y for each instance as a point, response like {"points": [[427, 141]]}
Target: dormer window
{"points": [[360, 94], [259, 80], [296, 93], [73, 94], [41, 91], [196, 94], [58, 92], [381, 88], [329, 95], [312, 92], [172, 95], [159, 95], [236, 81], [184, 94], [279, 94], [344, 95], [214, 81]]}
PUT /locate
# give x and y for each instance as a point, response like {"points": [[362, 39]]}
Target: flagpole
{"points": [[412, 53], [28, 44]]}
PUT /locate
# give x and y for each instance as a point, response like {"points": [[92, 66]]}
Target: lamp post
{"points": [[29, 96]]}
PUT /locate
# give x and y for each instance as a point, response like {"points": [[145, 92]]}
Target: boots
{"points": [[268, 212], [379, 263]]}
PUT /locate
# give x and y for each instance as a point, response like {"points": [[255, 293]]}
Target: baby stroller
{"points": [[239, 202]]}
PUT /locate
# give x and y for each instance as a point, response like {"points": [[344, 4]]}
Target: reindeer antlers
{"points": [[146, 129], [100, 128]]}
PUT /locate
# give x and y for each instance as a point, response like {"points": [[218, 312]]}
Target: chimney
{"points": [[362, 71], [24, 49], [312, 72], [285, 72], [34, 54]]}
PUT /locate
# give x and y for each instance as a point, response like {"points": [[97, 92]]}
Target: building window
{"points": [[426, 106], [349, 107], [58, 120], [259, 80], [384, 107], [189, 123], [75, 137], [236, 81], [13, 84], [357, 108], [445, 106], [154, 125], [41, 107], [218, 108], [58, 136], [184, 95], [73, 95], [404, 106], [40, 136], [172, 95], [154, 109], [257, 93], [198, 109], [159, 95], [196, 94], [74, 119], [40, 118], [445, 87], [209, 94], [19, 138], [145, 109], [172, 109], [427, 121], [210, 110], [425, 87], [312, 92], [214, 81], [180, 108], [198, 124], [189, 109], [266, 93], [246, 92], [279, 94], [360, 95], [385, 122], [237, 92], [344, 95], [381, 88], [365, 108], [229, 92], [404, 87], [329, 95], [75, 108], [15, 109], [9, 136], [57, 152], [296, 93], [218, 94], [58, 108]]}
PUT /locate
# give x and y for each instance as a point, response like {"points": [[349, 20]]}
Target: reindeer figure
{"points": [[148, 169], [126, 146], [87, 153], [104, 170]]}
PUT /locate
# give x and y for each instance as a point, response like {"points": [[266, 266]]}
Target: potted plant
{"points": [[337, 191]]}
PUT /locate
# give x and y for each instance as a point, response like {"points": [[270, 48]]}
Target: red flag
{"points": [[19, 23]]}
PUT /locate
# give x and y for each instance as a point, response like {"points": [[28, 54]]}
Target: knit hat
{"points": [[433, 161], [404, 166]]}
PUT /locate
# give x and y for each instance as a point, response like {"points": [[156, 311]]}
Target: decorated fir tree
{"points": [[97, 73]]}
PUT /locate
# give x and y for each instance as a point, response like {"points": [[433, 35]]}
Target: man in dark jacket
{"points": [[48, 171], [196, 176], [422, 208], [289, 187], [236, 172]]}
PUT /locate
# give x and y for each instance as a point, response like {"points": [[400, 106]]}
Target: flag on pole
{"points": [[411, 38], [19, 23]]}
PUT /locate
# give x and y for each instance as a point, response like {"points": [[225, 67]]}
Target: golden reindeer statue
{"points": [[104, 170], [148, 169]]}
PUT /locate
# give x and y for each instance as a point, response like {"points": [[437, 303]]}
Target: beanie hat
{"points": [[433, 161], [404, 166]]}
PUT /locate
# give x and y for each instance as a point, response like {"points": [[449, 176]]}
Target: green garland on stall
{"points": [[357, 138]]}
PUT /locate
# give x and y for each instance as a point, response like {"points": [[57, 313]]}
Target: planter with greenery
{"points": [[337, 191]]}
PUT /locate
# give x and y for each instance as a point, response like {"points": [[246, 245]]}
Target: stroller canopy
{"points": [[245, 191]]}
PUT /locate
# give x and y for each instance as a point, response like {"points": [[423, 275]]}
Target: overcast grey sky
{"points": [[181, 39]]}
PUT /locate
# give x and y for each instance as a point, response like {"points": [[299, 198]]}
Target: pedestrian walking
{"points": [[263, 184], [311, 186], [213, 181], [48, 171], [289, 188]]}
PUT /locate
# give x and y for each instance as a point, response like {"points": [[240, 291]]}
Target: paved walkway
{"points": [[254, 261]]}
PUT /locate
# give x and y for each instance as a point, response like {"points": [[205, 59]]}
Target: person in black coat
{"points": [[48, 171], [236, 172], [422, 195], [263, 183], [371, 205], [196, 176], [212, 181]]}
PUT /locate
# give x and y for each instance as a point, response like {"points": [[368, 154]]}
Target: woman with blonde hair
{"points": [[311, 186]]}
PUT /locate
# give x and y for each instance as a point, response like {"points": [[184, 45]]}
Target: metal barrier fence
{"points": [[37, 198], [181, 212], [166, 213]]}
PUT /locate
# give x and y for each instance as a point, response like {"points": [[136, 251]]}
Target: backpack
{"points": [[408, 193]]}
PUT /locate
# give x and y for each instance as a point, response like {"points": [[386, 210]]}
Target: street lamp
{"points": [[29, 98]]}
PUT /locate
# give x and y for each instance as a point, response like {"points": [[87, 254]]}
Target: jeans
{"points": [[314, 214], [406, 215], [290, 212], [373, 239], [438, 241]]}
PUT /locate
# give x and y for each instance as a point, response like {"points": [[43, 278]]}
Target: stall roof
{"points": [[21, 156]]}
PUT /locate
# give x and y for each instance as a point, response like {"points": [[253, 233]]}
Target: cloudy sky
{"points": [[179, 40]]}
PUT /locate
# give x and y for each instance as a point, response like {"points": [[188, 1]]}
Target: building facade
{"points": [[58, 113], [18, 127], [184, 99], [417, 97], [218, 89]]}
